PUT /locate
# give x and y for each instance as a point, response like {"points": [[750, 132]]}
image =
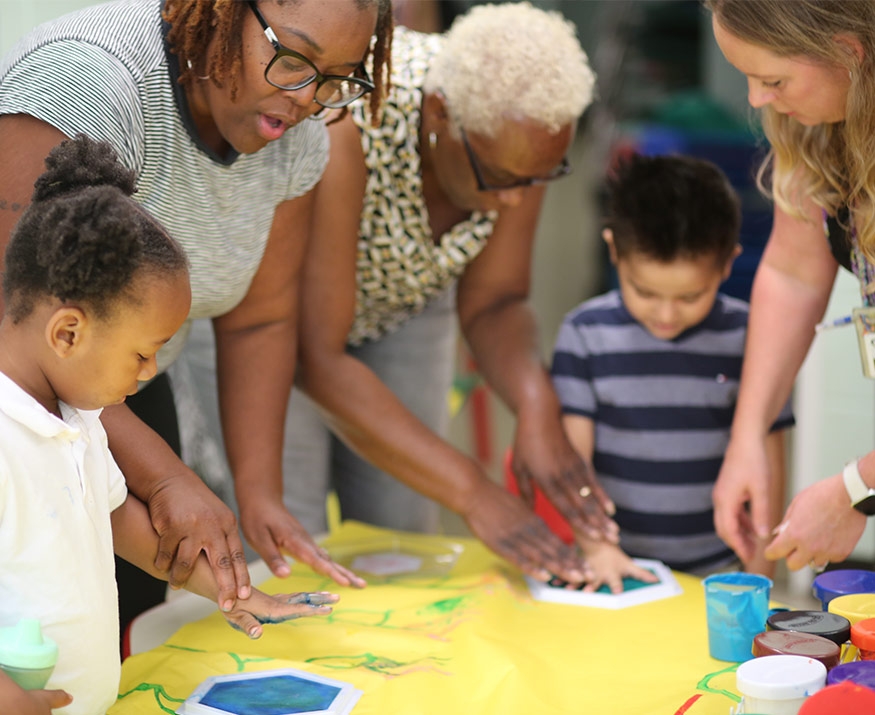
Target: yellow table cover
{"points": [[472, 641]]}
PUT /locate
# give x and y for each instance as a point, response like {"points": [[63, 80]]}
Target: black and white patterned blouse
{"points": [[400, 266]]}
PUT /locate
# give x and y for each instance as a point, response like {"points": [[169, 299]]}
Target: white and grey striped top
{"points": [[104, 71]]}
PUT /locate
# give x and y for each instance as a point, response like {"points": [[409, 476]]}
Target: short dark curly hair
{"points": [[195, 23], [672, 206], [83, 238]]}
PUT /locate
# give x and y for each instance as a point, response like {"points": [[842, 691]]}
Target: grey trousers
{"points": [[416, 362]]}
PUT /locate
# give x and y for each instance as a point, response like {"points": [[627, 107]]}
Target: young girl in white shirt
{"points": [[93, 287]]}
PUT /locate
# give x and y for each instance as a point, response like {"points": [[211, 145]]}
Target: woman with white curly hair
{"points": [[425, 213]]}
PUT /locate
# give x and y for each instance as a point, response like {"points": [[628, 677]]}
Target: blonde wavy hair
{"points": [[511, 61], [833, 165]]}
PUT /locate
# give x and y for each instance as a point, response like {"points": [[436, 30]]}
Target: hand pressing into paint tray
{"points": [[635, 591]]}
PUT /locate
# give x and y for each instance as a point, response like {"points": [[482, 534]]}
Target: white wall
{"points": [[834, 404]]}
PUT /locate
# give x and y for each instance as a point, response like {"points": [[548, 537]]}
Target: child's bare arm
{"points": [[607, 562], [581, 433], [136, 541]]}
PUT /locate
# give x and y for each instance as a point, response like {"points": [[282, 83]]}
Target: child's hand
{"points": [[609, 565], [37, 702], [248, 615]]}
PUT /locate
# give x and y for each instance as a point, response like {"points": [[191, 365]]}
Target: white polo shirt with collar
{"points": [[58, 486]]}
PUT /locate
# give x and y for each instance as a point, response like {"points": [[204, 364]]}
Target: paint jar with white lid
{"points": [[778, 684]]}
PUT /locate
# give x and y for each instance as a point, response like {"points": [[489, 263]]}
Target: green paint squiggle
{"points": [[378, 664], [158, 691], [704, 684], [242, 662]]}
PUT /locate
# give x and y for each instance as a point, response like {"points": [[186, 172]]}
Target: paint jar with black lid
{"points": [[817, 623]]}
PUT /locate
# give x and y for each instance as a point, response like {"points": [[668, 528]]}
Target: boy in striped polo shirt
{"points": [[648, 374]]}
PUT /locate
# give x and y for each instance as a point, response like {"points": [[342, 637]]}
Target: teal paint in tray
{"points": [[277, 695], [273, 692]]}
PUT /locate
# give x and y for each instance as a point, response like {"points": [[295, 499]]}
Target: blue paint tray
{"points": [[271, 692]]}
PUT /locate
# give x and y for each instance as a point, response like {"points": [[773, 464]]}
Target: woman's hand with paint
{"points": [[513, 531]]}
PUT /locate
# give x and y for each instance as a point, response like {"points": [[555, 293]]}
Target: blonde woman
{"points": [[809, 65], [477, 122]]}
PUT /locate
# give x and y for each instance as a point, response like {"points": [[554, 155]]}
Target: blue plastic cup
{"points": [[737, 607]]}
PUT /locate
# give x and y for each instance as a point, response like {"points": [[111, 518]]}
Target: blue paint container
{"points": [[860, 672], [842, 582], [737, 605]]}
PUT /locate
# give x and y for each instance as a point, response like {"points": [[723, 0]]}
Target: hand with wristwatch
{"points": [[861, 494]]}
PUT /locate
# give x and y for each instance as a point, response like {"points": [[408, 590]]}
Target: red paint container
{"points": [[793, 643], [845, 697]]}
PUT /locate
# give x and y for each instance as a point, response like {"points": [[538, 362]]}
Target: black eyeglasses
{"points": [[563, 169], [291, 70]]}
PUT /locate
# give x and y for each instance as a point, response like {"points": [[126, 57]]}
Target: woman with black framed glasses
{"points": [[452, 180], [195, 97]]}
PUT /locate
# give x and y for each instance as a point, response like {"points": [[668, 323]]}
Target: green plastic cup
{"points": [[26, 655]]}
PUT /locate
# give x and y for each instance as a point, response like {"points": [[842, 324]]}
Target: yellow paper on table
{"points": [[468, 641]]}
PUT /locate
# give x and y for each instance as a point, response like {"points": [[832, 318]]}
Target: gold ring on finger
{"points": [[585, 492]]}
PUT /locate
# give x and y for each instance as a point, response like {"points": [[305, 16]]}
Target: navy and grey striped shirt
{"points": [[662, 410]]}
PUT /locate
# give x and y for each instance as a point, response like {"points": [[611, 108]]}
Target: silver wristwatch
{"points": [[861, 494]]}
